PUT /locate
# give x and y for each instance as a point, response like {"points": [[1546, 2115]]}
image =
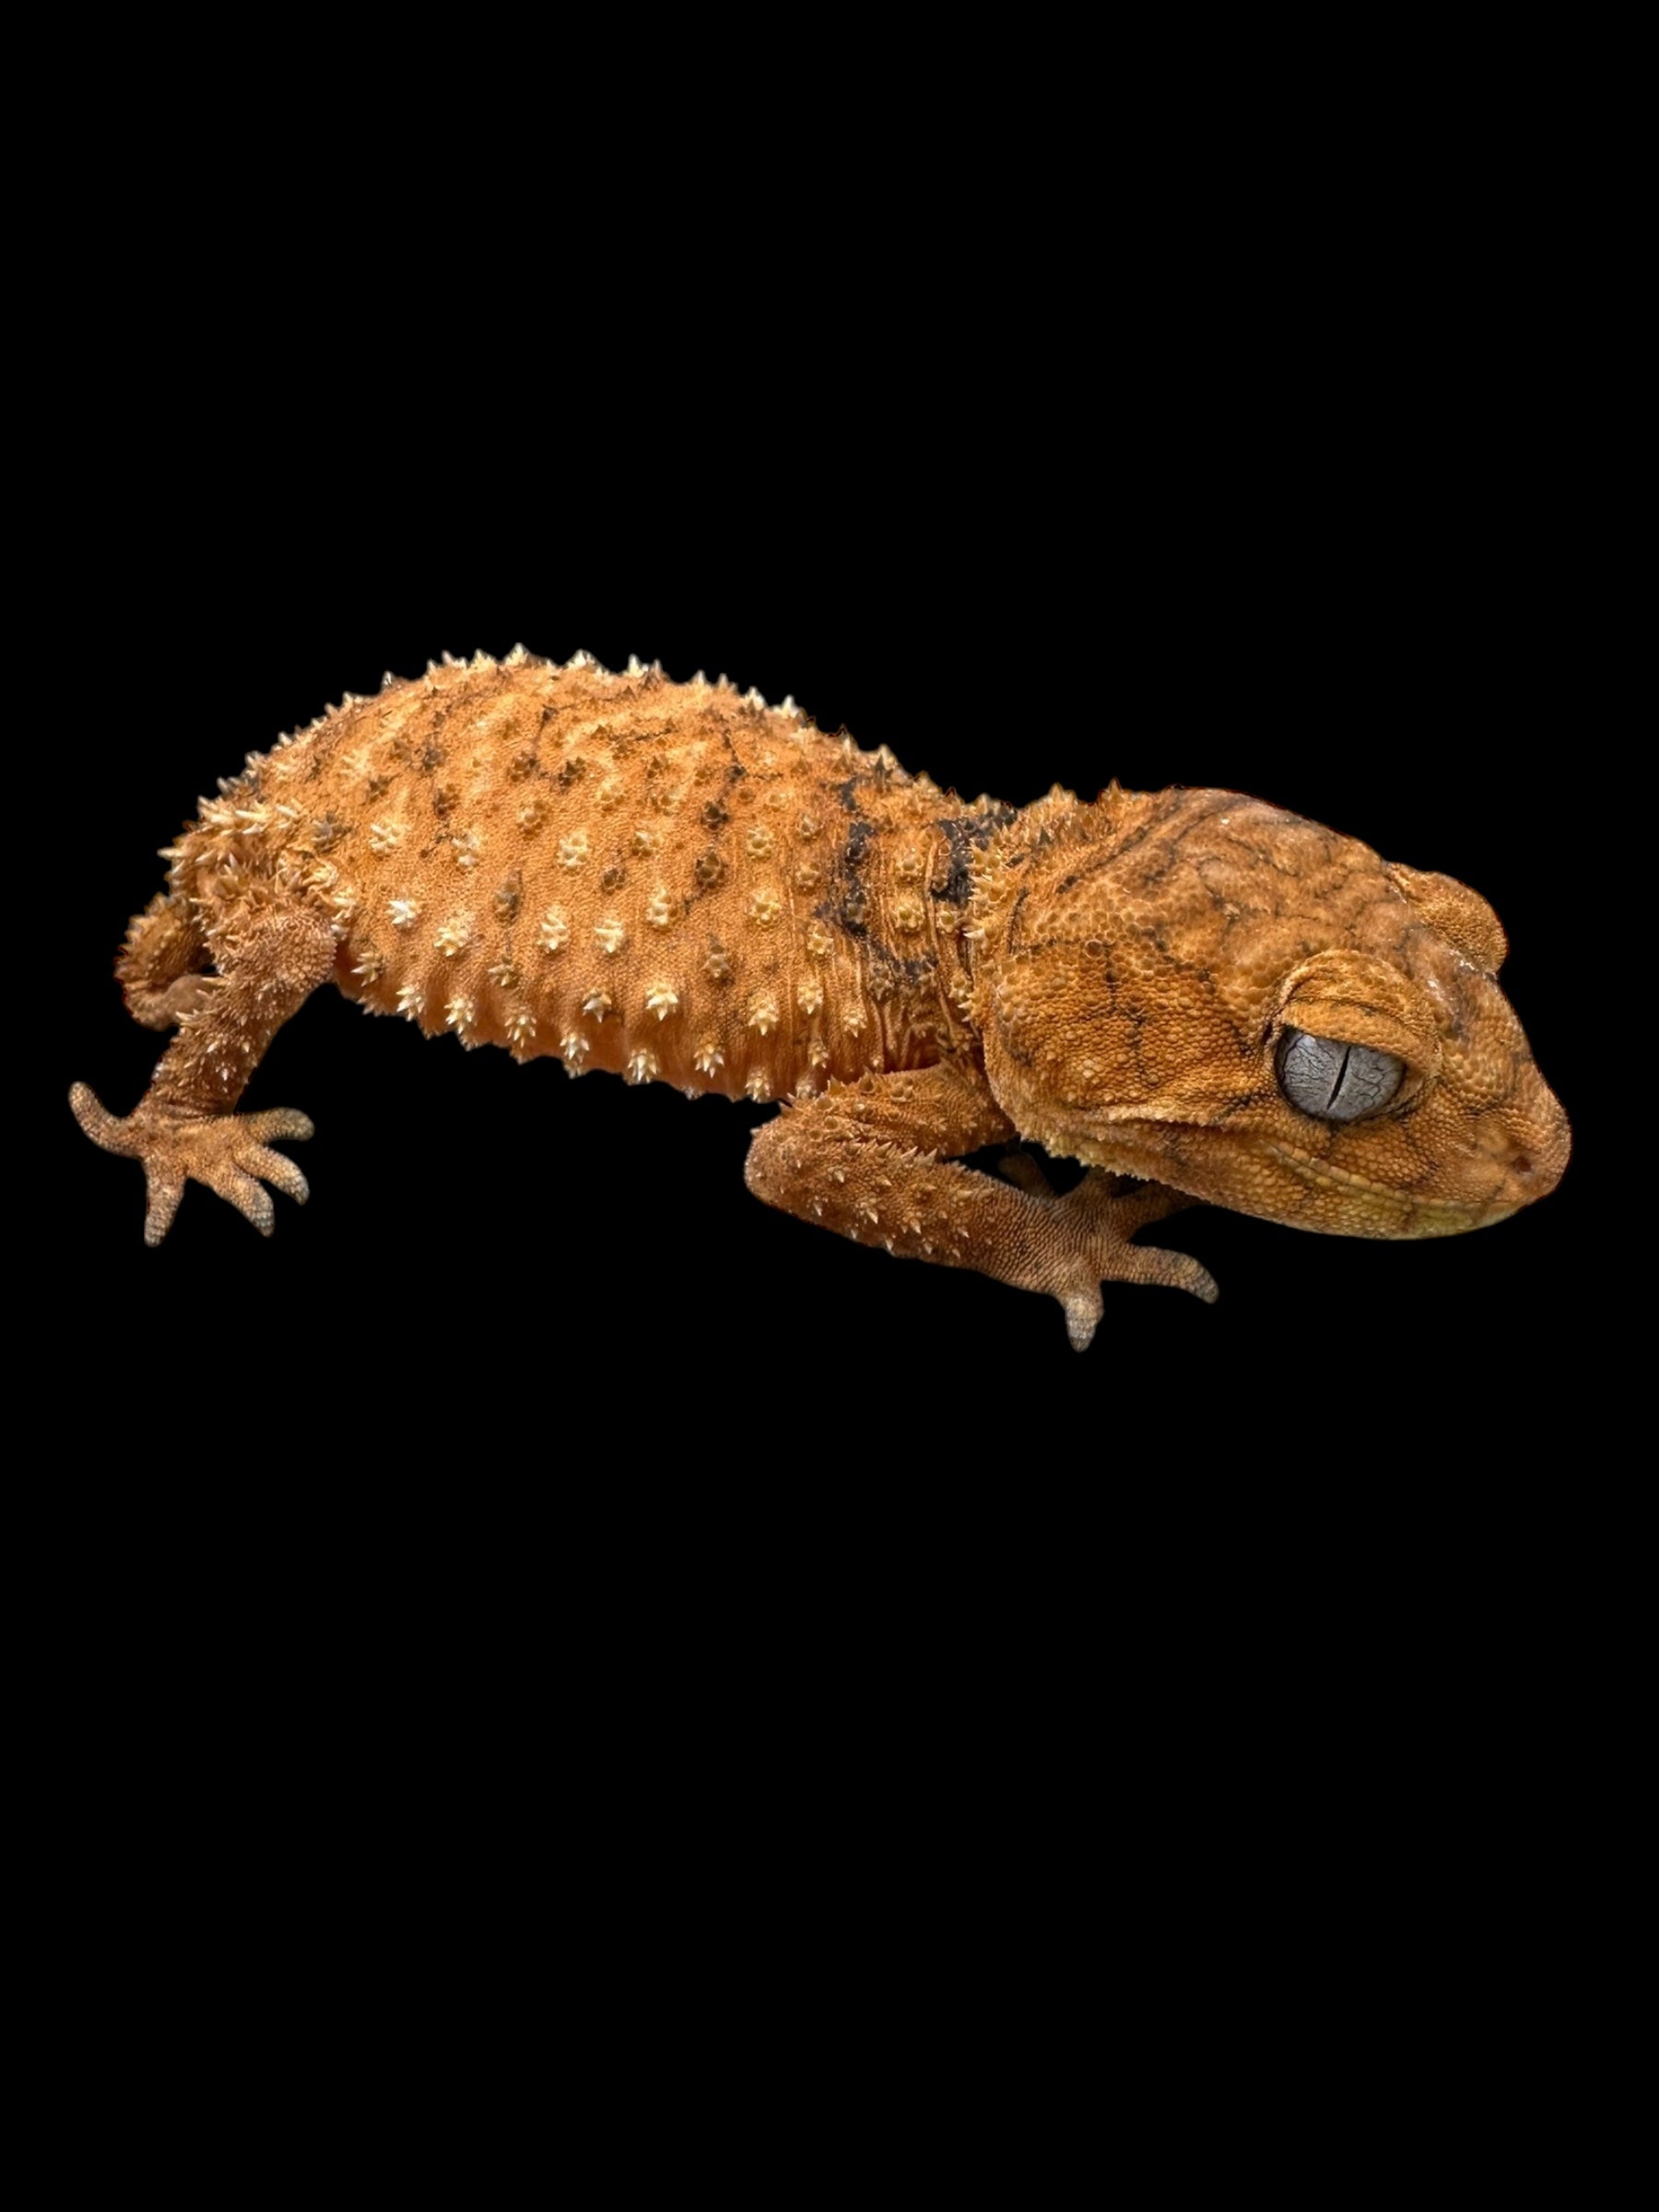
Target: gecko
{"points": [[1200, 997]]}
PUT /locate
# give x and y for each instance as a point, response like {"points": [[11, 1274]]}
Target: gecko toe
{"points": [[104, 1127], [285, 1124], [1022, 1171], [162, 1191], [275, 1169], [250, 1199], [1083, 1310]]}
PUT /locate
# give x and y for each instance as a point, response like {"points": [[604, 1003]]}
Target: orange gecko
{"points": [[1196, 994]]}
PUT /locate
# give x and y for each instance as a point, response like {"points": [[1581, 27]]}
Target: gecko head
{"points": [[1200, 989]]}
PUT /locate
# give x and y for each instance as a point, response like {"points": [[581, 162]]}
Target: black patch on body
{"points": [[961, 834], [837, 915]]}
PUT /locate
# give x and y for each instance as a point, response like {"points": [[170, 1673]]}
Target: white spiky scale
{"points": [[597, 1004], [404, 913], [411, 998], [763, 1013], [461, 1012], [555, 931], [659, 910], [573, 849], [385, 837], [521, 1028], [454, 936], [758, 1087], [574, 1049], [707, 1059], [662, 1000], [610, 936], [809, 994], [642, 1067]]}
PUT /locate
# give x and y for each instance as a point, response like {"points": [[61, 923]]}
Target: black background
{"points": [[540, 1548]]}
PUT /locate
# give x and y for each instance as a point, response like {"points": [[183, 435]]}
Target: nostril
{"points": [[1521, 1163]]}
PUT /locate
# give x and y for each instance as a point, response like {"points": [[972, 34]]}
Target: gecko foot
{"points": [[226, 1151], [1087, 1239]]}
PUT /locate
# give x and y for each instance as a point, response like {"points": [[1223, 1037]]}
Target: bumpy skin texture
{"points": [[673, 882]]}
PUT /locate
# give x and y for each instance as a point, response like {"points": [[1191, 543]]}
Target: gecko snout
{"points": [[1529, 1143]]}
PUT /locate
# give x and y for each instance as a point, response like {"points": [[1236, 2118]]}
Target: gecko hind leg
{"points": [[160, 967], [183, 1128]]}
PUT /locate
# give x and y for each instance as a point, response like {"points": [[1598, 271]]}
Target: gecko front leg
{"points": [[183, 1127], [876, 1161]]}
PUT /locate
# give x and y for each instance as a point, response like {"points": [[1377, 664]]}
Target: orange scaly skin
{"points": [[673, 882]]}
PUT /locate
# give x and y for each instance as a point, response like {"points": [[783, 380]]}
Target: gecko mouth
{"points": [[1438, 1216]]}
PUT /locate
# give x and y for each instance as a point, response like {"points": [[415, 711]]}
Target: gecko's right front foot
{"points": [[226, 1151], [1090, 1243]]}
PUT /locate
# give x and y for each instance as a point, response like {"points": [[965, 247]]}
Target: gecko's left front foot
{"points": [[1092, 1225], [226, 1151]]}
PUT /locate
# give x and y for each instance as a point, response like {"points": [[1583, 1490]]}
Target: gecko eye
{"points": [[1336, 1082]]}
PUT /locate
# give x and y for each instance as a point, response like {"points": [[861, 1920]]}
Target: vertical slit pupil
{"points": [[1341, 1071]]}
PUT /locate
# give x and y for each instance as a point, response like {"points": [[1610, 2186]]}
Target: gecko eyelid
{"points": [[1336, 1082]]}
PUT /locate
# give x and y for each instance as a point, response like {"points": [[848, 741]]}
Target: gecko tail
{"points": [[160, 966]]}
